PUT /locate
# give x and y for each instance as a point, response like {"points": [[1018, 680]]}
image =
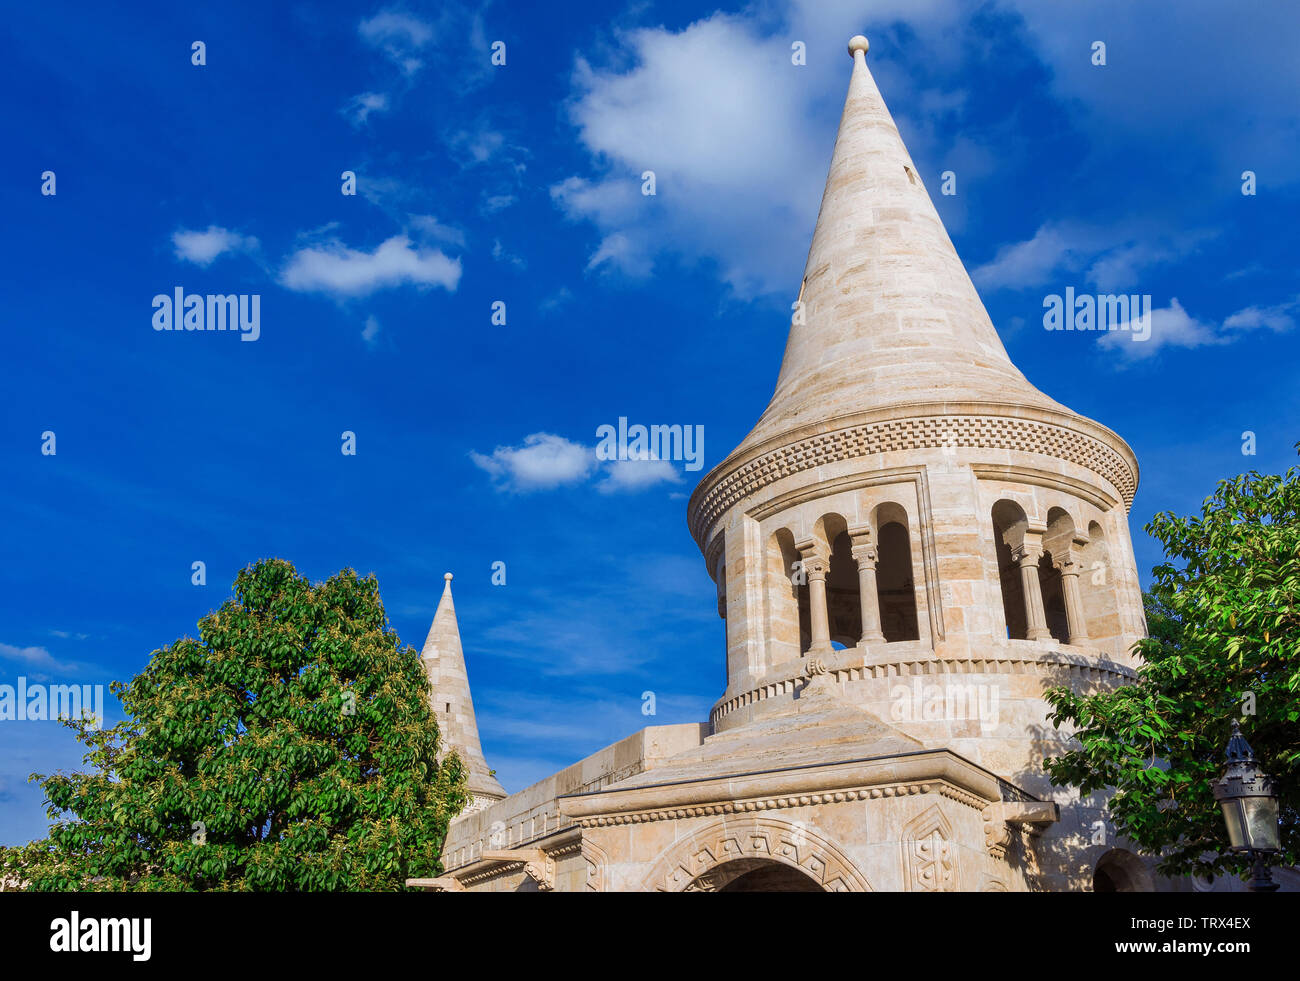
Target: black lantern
{"points": [[1248, 797]]}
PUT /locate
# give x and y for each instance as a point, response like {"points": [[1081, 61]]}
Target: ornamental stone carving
{"points": [[682, 865], [929, 858]]}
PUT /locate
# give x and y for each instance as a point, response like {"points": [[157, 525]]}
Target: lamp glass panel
{"points": [[1233, 817], [1261, 823]]}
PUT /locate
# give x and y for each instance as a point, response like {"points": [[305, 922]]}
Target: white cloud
{"points": [[1279, 317], [1174, 327], [400, 36], [556, 300], [334, 268], [1171, 327], [1027, 263], [1111, 259], [478, 146], [620, 251], [202, 248], [737, 165], [497, 202], [370, 333], [359, 107], [1158, 50], [407, 203], [739, 140], [389, 193], [502, 163], [544, 461], [501, 254], [39, 659], [429, 227], [607, 203], [637, 475], [1163, 52], [1119, 270]]}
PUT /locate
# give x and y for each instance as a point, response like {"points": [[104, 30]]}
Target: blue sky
{"points": [[521, 183]]}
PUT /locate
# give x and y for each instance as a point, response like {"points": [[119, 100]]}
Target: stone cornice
{"points": [[777, 803], [1045, 478], [976, 425], [898, 775], [1045, 659], [537, 862]]}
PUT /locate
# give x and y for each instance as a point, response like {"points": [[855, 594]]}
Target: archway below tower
{"points": [[1121, 871], [754, 875]]}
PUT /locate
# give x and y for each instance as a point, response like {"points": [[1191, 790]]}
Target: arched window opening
{"points": [[1009, 521], [1059, 579], [1098, 587], [787, 599], [843, 601], [1049, 581], [895, 585]]}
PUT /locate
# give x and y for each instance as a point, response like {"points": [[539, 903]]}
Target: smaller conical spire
{"points": [[444, 662]]}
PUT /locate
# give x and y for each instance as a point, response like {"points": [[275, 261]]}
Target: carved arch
{"points": [[728, 840]]}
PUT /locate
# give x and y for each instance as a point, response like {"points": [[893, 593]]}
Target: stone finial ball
{"points": [[858, 43], [447, 576]]}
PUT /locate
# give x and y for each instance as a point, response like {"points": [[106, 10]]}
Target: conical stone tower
{"points": [[887, 315], [909, 506], [444, 662], [911, 545]]}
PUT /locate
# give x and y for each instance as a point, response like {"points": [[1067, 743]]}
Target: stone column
{"points": [[1070, 569], [1027, 555], [816, 564], [864, 553]]}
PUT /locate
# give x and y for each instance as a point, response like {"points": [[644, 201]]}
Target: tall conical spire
{"points": [[888, 314], [444, 661]]}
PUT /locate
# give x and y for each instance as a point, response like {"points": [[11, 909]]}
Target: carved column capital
{"points": [[1070, 562], [1027, 553], [864, 553], [816, 563]]}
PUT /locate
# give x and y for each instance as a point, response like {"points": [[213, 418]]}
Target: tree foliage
{"points": [[1223, 617], [290, 747]]}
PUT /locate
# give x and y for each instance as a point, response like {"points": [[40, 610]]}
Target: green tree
{"points": [[1223, 617], [290, 747]]}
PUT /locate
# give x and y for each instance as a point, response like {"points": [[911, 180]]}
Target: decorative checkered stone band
{"points": [[932, 432]]}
